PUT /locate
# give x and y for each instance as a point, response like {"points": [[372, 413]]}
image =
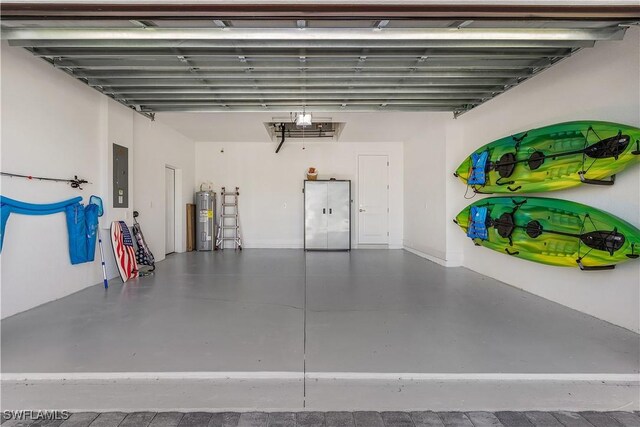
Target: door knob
{"points": [[362, 210]]}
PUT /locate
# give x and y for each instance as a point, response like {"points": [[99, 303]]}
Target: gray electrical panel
{"points": [[120, 176], [206, 220]]}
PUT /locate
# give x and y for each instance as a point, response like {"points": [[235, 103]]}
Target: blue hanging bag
{"points": [[82, 224]]}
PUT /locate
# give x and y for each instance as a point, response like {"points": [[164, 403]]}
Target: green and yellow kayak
{"points": [[551, 231], [552, 158]]}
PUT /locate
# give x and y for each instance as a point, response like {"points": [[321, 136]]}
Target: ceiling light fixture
{"points": [[303, 119]]}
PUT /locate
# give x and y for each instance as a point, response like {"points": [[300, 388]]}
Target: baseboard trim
{"points": [[295, 245], [431, 258], [272, 245]]}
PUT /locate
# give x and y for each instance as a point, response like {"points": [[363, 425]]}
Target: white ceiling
{"points": [[249, 127]]}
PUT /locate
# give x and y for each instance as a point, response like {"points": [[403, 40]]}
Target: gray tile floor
{"points": [[364, 311], [343, 419]]}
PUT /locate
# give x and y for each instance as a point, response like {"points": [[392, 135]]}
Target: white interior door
{"points": [[373, 199], [170, 211]]}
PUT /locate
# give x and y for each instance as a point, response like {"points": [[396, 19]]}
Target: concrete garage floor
{"points": [[309, 330], [345, 419]]}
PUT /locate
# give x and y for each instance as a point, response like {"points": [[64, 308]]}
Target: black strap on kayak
{"points": [[518, 139], [518, 205], [609, 147], [608, 241], [505, 225], [500, 182], [605, 148], [581, 257]]}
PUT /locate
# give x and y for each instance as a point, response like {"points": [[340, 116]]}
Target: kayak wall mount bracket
{"points": [[584, 180], [596, 268]]}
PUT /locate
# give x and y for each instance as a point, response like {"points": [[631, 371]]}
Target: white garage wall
{"points": [[156, 146], [602, 83], [271, 199], [117, 128], [268, 180], [53, 125], [425, 191]]}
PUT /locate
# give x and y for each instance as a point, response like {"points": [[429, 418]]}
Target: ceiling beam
{"points": [[265, 54], [316, 10], [307, 38], [302, 97], [330, 83], [301, 76], [342, 91], [311, 109], [453, 104], [311, 44], [176, 65]]}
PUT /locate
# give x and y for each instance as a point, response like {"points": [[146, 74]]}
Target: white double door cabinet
{"points": [[327, 215]]}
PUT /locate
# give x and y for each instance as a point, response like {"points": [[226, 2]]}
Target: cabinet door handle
{"points": [[324, 211], [330, 211]]}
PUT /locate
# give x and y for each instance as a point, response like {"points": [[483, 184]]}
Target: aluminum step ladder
{"points": [[229, 228]]}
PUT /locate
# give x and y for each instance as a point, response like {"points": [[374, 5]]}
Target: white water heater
{"points": [[205, 220]]}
